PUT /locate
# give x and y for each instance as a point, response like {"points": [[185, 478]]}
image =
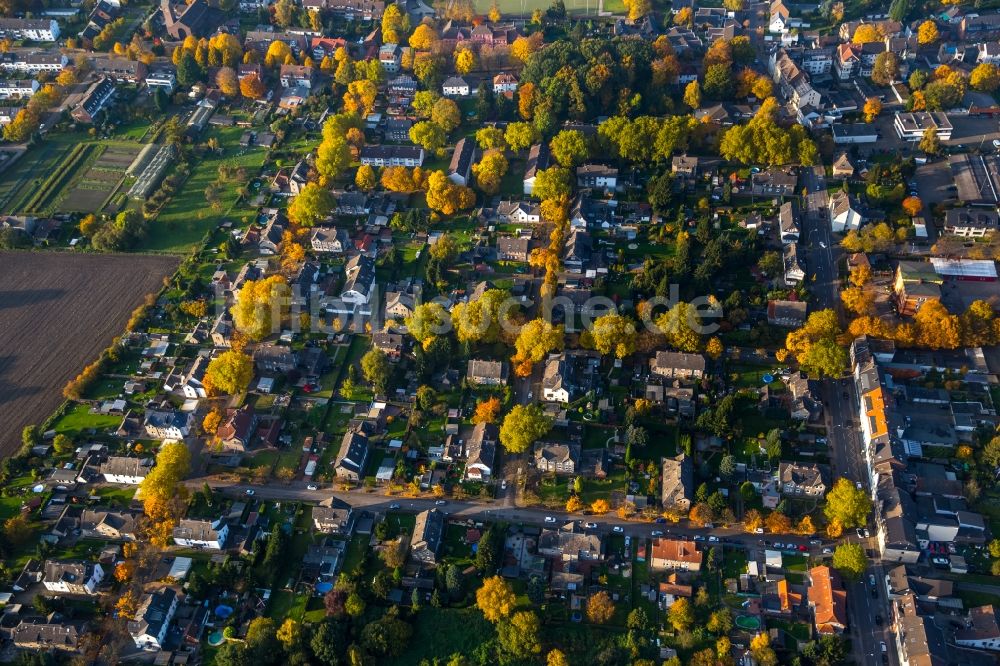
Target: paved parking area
{"points": [[973, 132], [933, 182]]}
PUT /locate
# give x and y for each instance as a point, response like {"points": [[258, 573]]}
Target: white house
{"points": [[168, 424], [164, 79], [152, 619], [504, 83], [35, 30], [126, 471], [843, 214], [72, 577], [18, 88], [201, 533], [778, 23], [455, 86]]}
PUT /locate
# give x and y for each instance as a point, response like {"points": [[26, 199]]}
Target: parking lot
{"points": [[973, 132]]}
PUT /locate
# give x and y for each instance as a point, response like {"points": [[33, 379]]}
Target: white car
{"points": [[827, 551], [590, 526], [550, 519], [312, 486], [996, 143], [441, 502], [393, 506], [713, 539], [249, 491], [618, 528], [503, 486], [656, 533], [822, 245]]}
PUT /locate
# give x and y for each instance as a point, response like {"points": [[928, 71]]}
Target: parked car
{"points": [[441, 502], [393, 506], [713, 539], [699, 537], [656, 533], [249, 491], [312, 486], [590, 526], [550, 519], [618, 528]]}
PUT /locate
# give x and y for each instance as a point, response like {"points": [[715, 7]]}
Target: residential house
{"points": [[597, 176], [292, 76], [460, 168], [788, 222], [390, 55], [677, 484], [504, 83], [108, 525], [331, 517], [237, 429], [126, 471], [568, 375], [514, 248], [578, 252], [383, 156], [152, 618], [428, 534], [794, 269], [778, 23], [486, 373], [399, 305], [970, 222], [844, 215], [33, 62], [269, 241], [982, 629], [674, 554], [787, 314], [828, 600], [274, 359], [570, 544], [557, 458], [32, 30], [805, 404], [120, 70], [18, 88], [842, 167], [398, 130], [330, 240], [455, 86], [801, 479], [97, 97], [72, 577], [519, 212], [352, 459], [392, 344], [539, 159], [200, 533], [480, 452], [168, 423], [41, 637], [678, 365]]}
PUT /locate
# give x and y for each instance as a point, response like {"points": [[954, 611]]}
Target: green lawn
{"points": [[79, 419], [186, 218], [19, 182]]}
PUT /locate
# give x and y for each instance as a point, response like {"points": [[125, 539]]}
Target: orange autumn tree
{"points": [[487, 411]]}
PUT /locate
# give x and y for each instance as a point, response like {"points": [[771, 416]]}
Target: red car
{"points": [[803, 549]]}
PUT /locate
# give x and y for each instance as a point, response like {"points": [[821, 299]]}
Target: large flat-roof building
{"points": [[911, 126]]}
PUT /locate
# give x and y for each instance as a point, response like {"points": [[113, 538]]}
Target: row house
{"points": [[18, 88], [37, 61], [384, 156], [81, 578], [33, 30]]}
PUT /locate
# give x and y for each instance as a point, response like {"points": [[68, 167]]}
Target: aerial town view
{"points": [[500, 332]]}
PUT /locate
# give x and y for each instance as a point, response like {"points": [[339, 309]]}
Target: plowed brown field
{"points": [[57, 312]]}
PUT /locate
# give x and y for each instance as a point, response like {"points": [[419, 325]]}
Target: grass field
{"points": [[185, 219], [517, 7], [57, 312]]}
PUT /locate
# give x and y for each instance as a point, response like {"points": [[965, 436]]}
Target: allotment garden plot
{"points": [[86, 180]]}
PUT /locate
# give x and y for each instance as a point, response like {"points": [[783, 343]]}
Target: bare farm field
{"points": [[57, 312]]}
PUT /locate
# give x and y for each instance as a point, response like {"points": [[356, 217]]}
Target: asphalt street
{"points": [[847, 459]]}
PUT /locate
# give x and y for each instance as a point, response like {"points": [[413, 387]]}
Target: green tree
{"points": [[930, 143], [848, 505], [429, 135], [229, 373], [569, 148], [312, 205], [519, 636], [552, 183], [375, 366], [850, 560], [614, 334], [522, 426]]}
